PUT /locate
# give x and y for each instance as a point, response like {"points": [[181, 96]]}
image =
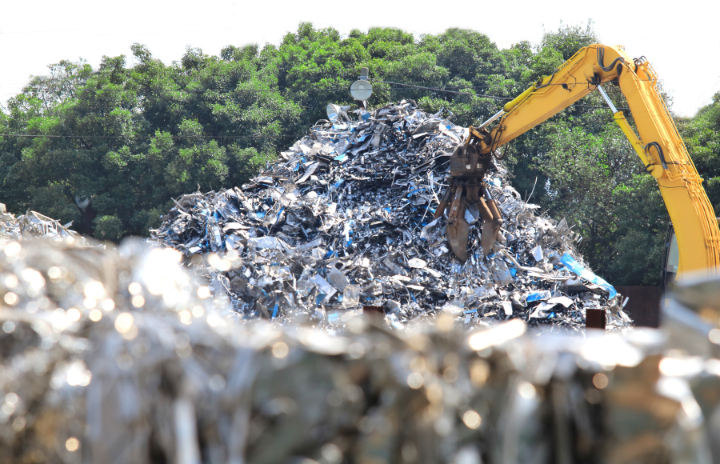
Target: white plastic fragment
{"points": [[537, 253], [507, 307], [266, 242], [324, 286], [563, 300], [337, 279]]}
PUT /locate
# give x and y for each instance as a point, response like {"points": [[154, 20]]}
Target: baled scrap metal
{"points": [[357, 199], [114, 356]]}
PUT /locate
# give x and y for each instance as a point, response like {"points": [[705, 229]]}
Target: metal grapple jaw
{"points": [[458, 229], [468, 168]]}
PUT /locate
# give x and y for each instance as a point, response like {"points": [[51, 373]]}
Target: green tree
{"points": [[130, 138], [702, 138]]}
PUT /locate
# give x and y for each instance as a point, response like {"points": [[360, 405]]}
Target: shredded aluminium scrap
{"points": [[33, 225], [121, 356], [344, 220]]}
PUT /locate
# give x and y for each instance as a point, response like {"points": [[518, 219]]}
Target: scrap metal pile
{"points": [[121, 356], [345, 220], [33, 224]]}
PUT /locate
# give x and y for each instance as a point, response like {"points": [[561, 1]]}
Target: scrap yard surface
{"points": [[317, 315]]}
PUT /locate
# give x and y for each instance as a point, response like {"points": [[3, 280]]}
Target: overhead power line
{"points": [[495, 97], [420, 87], [150, 136], [402, 85]]}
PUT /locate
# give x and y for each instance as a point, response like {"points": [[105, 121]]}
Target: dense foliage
{"points": [[132, 137]]}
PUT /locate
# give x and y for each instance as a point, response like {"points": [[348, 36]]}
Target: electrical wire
{"points": [[402, 86], [151, 136], [420, 87], [483, 95], [442, 90]]}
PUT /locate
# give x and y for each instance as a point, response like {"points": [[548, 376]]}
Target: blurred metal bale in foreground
{"points": [[120, 355]]}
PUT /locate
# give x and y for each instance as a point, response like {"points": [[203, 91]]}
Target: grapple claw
{"points": [[458, 230], [458, 235], [490, 231]]}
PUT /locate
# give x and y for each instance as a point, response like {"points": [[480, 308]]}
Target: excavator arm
{"points": [[658, 143]]}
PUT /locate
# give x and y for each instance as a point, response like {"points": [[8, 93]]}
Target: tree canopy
{"points": [[132, 137]]}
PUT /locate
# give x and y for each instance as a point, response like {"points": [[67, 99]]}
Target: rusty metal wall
{"points": [[643, 305]]}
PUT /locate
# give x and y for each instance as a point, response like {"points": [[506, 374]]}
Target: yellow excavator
{"points": [[658, 144]]}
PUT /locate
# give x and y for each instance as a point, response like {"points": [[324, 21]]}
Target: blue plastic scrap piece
{"points": [[537, 296], [586, 274]]}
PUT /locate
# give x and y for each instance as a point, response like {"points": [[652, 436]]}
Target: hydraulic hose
{"points": [[660, 153], [601, 58]]}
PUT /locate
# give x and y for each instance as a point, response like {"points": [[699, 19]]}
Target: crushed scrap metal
{"points": [[344, 219], [120, 356], [33, 225]]}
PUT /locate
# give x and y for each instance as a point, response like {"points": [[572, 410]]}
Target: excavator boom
{"points": [[658, 143]]}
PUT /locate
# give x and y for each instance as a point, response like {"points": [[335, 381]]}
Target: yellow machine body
{"points": [[658, 143]]}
